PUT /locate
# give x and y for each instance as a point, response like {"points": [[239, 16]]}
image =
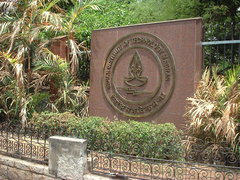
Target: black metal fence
{"points": [[26, 143], [222, 44], [200, 160], [148, 168], [210, 153]]}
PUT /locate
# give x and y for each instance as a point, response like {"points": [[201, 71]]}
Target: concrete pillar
{"points": [[67, 157]]}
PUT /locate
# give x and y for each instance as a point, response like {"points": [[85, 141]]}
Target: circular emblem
{"points": [[139, 75]]}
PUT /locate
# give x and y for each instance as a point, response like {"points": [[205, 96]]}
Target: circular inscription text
{"points": [[139, 75]]}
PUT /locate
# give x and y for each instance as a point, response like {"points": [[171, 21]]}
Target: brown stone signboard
{"points": [[145, 72]]}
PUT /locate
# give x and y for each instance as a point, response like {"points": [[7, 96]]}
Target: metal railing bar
{"points": [[150, 168], [23, 143], [93, 154], [220, 42]]}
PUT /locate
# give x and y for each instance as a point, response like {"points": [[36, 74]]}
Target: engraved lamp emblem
{"points": [[135, 70], [135, 80]]}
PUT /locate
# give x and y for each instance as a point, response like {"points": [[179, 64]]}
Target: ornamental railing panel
{"points": [[123, 166], [26, 143]]}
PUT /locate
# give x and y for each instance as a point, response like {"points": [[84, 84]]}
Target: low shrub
{"points": [[121, 137], [52, 123]]}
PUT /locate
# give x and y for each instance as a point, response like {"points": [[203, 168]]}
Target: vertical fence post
{"points": [[67, 157]]}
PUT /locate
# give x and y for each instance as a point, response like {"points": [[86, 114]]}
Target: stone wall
{"points": [[17, 169]]}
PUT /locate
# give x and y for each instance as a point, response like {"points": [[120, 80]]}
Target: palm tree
{"points": [[28, 27], [213, 113], [27, 22]]}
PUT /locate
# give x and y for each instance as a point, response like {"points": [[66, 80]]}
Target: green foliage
{"points": [[52, 122], [55, 68], [121, 137], [72, 98], [39, 102], [125, 12], [215, 10], [160, 10], [11, 99], [111, 14], [65, 95]]}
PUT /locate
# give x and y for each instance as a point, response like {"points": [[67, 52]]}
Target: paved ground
{"points": [[3, 178]]}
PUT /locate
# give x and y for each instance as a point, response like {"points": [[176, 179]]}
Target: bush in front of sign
{"points": [[144, 139], [162, 141]]}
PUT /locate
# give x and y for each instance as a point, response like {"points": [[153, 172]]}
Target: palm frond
{"points": [[50, 5], [19, 74], [16, 30], [41, 48], [9, 57], [48, 27], [51, 62], [52, 107], [59, 9], [4, 27], [50, 17], [78, 8], [7, 6], [33, 35], [75, 54], [7, 18], [38, 81], [23, 112], [21, 50], [17, 67], [34, 4], [73, 98], [215, 107], [5, 36]]}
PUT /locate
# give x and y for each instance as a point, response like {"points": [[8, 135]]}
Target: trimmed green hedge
{"points": [[121, 137]]}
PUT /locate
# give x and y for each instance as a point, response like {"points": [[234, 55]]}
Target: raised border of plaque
{"points": [[166, 70]]}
